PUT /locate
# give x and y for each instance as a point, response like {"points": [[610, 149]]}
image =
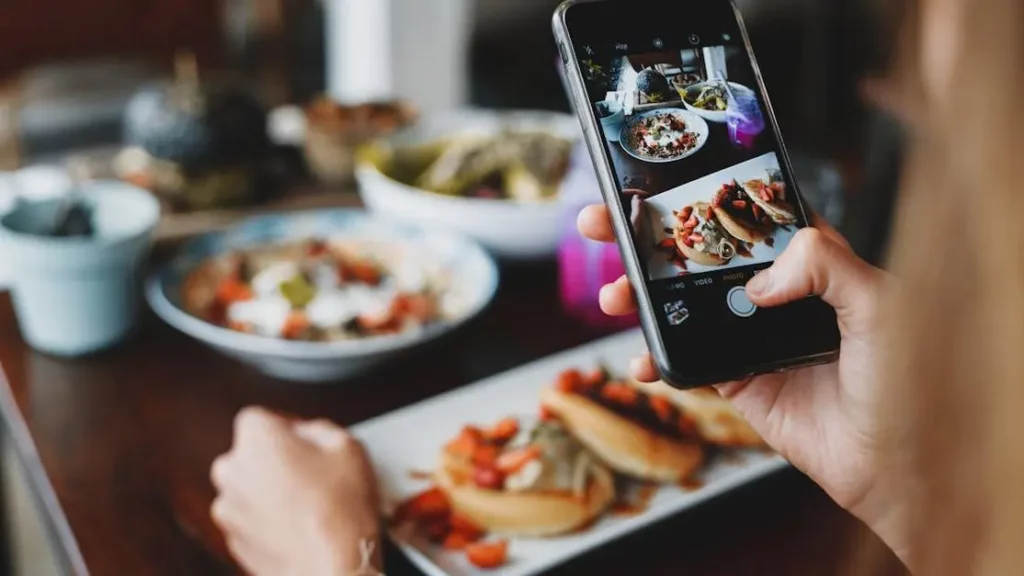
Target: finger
{"points": [[595, 223], [324, 434], [226, 514], [256, 426], [821, 224], [813, 264], [642, 368], [617, 298], [221, 472]]}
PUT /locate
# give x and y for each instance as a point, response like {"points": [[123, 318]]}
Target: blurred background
{"points": [[70, 68]]}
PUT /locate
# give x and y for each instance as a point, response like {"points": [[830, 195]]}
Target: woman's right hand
{"points": [[823, 419]]}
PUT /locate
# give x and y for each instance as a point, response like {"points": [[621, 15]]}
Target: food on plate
{"points": [[652, 86], [661, 135], [334, 131], [535, 480], [431, 514], [513, 164], [709, 97], [684, 81], [317, 290], [636, 433], [771, 197], [718, 422], [358, 121], [739, 215], [701, 238]]}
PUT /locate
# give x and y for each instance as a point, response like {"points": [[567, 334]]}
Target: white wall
{"points": [[411, 49]]}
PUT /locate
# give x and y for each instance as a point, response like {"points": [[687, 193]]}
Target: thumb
{"points": [[815, 264]]}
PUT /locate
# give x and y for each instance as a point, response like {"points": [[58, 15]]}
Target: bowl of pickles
{"points": [[492, 176]]}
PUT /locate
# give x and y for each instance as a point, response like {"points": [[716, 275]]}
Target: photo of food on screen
{"points": [[675, 116], [736, 217]]}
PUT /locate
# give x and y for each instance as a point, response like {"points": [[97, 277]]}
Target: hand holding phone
{"points": [[672, 97]]}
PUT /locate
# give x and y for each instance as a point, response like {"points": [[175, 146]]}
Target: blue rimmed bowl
{"points": [[472, 274]]}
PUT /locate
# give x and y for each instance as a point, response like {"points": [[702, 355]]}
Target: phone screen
{"points": [[703, 179]]}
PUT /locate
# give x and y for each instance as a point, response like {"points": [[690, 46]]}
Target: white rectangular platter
{"points": [[410, 439]]}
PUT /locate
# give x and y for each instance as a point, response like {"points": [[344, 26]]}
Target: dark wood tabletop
{"points": [[118, 446]]}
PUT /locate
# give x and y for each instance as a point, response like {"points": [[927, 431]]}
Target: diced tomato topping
{"points": [[457, 540], [691, 223], [545, 414], [466, 443], [295, 325], [513, 461], [569, 380], [486, 455], [488, 554], [661, 407], [488, 477], [503, 431], [217, 313], [417, 306], [595, 377], [431, 504], [233, 290], [360, 272], [436, 529], [685, 213], [620, 393]]}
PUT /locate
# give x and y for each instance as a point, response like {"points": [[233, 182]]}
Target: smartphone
{"points": [[698, 182]]}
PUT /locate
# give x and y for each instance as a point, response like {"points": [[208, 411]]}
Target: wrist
{"points": [[350, 550], [887, 510]]}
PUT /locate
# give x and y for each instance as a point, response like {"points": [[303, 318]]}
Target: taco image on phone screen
{"points": [[701, 238], [718, 422], [771, 197], [637, 434], [739, 215], [534, 480]]}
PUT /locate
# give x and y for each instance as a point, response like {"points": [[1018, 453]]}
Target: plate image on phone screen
{"points": [[683, 135]]}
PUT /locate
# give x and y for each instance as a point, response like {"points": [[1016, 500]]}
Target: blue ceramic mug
{"points": [[74, 296]]}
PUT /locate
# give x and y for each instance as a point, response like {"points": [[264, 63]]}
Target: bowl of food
{"points": [[664, 135], [492, 176], [710, 100], [334, 132], [317, 296]]}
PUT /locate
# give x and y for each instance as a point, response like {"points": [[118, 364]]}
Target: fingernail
{"points": [[760, 283]]}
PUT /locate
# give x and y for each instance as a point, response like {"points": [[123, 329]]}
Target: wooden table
{"points": [[118, 447]]}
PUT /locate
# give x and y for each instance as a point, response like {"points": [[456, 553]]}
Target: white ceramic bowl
{"points": [[710, 115], [474, 280], [511, 230]]}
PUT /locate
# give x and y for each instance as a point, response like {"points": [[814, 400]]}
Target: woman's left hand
{"points": [[296, 498]]}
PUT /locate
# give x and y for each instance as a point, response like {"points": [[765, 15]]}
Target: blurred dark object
{"points": [[54, 108], [869, 218], [64, 30], [199, 143]]}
